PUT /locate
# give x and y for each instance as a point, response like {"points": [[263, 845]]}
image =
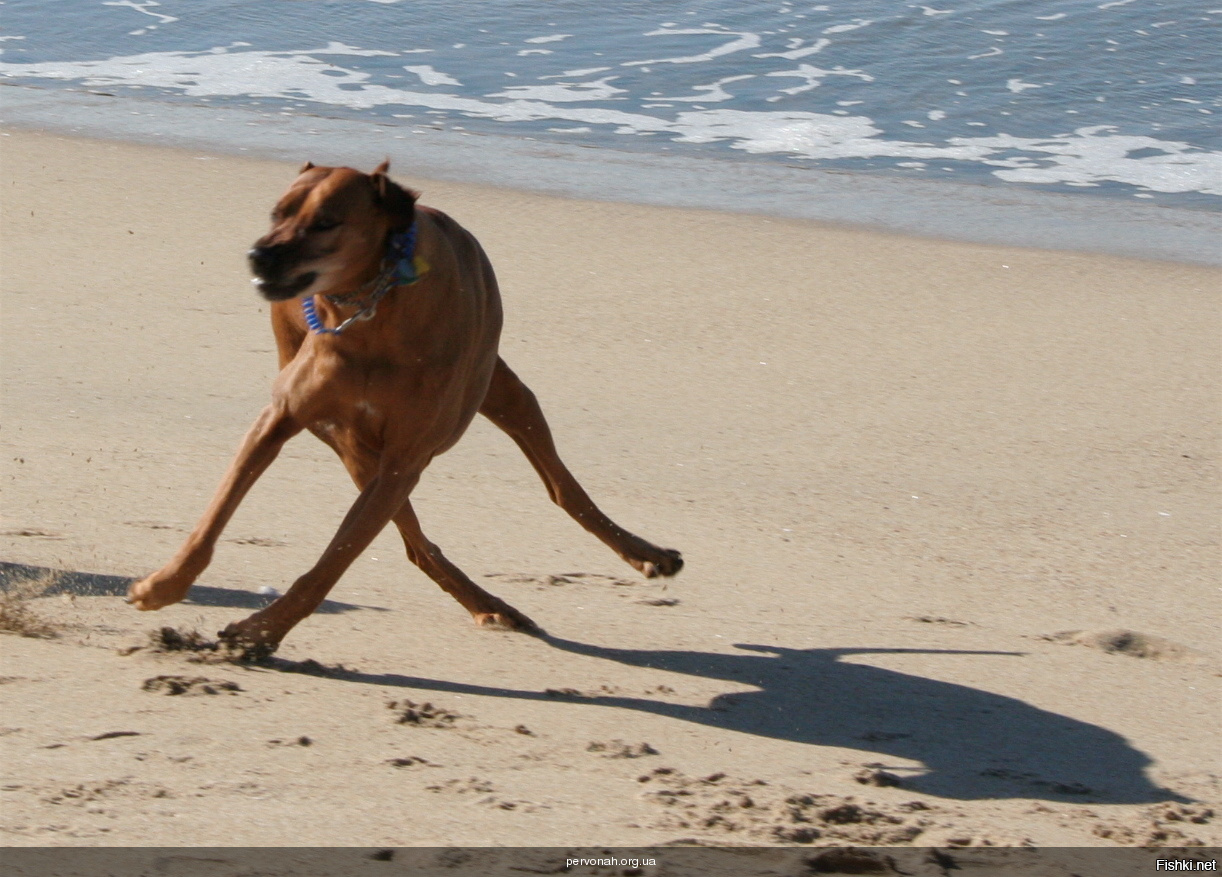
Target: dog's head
{"points": [[329, 231]]}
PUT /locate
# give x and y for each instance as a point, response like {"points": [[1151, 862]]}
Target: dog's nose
{"points": [[262, 259]]}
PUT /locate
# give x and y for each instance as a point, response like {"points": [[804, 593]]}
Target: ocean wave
{"points": [[1085, 156]]}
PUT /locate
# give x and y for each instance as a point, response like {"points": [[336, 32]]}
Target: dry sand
{"points": [[899, 470]]}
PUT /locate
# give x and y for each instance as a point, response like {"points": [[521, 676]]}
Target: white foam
{"points": [[744, 41], [1086, 156], [429, 76], [334, 48], [814, 76], [563, 92], [796, 52], [1094, 155], [143, 7], [713, 92], [809, 135], [588, 71], [857, 24], [1017, 86]]}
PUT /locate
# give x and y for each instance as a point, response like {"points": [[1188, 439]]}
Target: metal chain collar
{"points": [[400, 267]]}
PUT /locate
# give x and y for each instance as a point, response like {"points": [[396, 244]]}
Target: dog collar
{"points": [[400, 267]]}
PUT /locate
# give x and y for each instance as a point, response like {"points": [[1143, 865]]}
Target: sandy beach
{"points": [[949, 511]]}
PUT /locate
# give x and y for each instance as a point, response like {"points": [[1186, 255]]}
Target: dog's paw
{"points": [[250, 641], [667, 564], [507, 618], [155, 592]]}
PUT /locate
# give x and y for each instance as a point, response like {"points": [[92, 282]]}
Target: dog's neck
{"points": [[397, 268], [400, 267]]}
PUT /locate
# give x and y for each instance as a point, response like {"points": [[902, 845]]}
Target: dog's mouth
{"points": [[282, 290]]}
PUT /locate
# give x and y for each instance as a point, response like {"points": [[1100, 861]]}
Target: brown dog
{"points": [[419, 317]]}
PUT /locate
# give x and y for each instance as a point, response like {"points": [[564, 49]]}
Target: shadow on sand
{"points": [[972, 744], [88, 584]]}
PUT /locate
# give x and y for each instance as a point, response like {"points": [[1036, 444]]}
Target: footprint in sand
{"points": [[620, 749], [32, 533], [175, 685], [1129, 642], [422, 715], [568, 578]]}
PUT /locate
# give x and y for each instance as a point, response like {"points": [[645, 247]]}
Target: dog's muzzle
{"points": [[271, 266]]}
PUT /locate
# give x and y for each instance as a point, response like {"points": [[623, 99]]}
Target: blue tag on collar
{"points": [[409, 267]]}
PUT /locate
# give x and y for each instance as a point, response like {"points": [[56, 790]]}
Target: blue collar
{"points": [[400, 267]]}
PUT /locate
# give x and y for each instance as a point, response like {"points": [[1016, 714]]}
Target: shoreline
{"points": [[949, 513], [986, 214]]}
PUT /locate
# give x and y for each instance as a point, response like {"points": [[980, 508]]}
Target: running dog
{"points": [[387, 317]]}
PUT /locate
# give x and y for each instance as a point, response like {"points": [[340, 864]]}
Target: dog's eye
{"points": [[324, 225]]}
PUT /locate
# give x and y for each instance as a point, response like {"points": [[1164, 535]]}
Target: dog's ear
{"points": [[397, 201], [308, 166]]}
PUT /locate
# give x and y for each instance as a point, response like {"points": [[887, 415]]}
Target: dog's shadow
{"points": [[970, 744], [87, 584]]}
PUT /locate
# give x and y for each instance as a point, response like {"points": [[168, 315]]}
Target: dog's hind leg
{"points": [[512, 406], [258, 449], [486, 609]]}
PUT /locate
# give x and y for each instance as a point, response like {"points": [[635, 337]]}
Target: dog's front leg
{"points": [[378, 502], [259, 448]]}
